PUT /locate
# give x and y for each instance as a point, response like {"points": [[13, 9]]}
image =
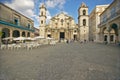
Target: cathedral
{"points": [[63, 27]]}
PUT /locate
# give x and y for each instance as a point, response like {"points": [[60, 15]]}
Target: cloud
{"points": [[23, 6], [26, 7], [65, 12], [29, 7], [55, 3], [48, 16]]}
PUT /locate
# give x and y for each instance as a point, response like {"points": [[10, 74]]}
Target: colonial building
{"points": [[63, 26], [94, 20], [110, 23], [14, 24], [83, 22]]}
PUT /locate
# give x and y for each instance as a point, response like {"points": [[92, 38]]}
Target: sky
{"points": [[30, 8]]}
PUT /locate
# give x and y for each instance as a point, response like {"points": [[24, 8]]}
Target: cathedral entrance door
{"points": [[75, 37], [62, 35]]}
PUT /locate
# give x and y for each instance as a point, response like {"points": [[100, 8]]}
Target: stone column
{"points": [[116, 39], [20, 33], [108, 37], [59, 35], [68, 34], [118, 36], [11, 33], [26, 34], [119, 32], [101, 37]]}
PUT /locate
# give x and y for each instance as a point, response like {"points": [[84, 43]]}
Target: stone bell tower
{"points": [[83, 22], [42, 20]]}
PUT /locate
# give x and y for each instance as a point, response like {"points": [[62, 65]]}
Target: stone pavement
{"points": [[74, 61]]}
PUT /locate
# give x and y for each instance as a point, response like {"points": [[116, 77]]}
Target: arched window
{"points": [[23, 34], [84, 12], [5, 32], [16, 33], [42, 22], [29, 25], [16, 21], [111, 37], [84, 22], [75, 31], [28, 34]]}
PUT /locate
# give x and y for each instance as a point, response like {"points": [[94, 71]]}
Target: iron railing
{"points": [[15, 26]]}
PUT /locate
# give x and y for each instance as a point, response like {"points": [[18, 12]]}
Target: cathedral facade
{"points": [[63, 26]]}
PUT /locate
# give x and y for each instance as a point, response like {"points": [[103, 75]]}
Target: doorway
{"points": [[62, 35], [75, 37], [105, 38]]}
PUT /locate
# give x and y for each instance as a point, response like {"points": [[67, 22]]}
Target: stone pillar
{"points": [[71, 34], [108, 37], [11, 33], [118, 36], [20, 33], [116, 39], [68, 35], [26, 34], [58, 36], [101, 37]]}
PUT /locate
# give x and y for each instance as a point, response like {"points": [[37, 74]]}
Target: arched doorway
{"points": [[105, 38], [16, 33], [105, 34], [28, 34], [23, 34], [114, 33], [112, 36], [75, 37], [5, 32]]}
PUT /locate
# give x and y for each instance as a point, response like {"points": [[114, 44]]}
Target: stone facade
{"points": [[14, 24], [110, 23], [63, 26], [94, 20], [42, 20]]}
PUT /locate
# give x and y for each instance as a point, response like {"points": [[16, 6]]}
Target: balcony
{"points": [[15, 26]]}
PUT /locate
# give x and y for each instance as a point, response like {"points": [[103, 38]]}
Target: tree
{"points": [[0, 36], [0, 33]]}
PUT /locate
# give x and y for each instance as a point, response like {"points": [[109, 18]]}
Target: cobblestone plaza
{"points": [[73, 61]]}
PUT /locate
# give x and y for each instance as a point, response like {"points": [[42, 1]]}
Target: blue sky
{"points": [[30, 8]]}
